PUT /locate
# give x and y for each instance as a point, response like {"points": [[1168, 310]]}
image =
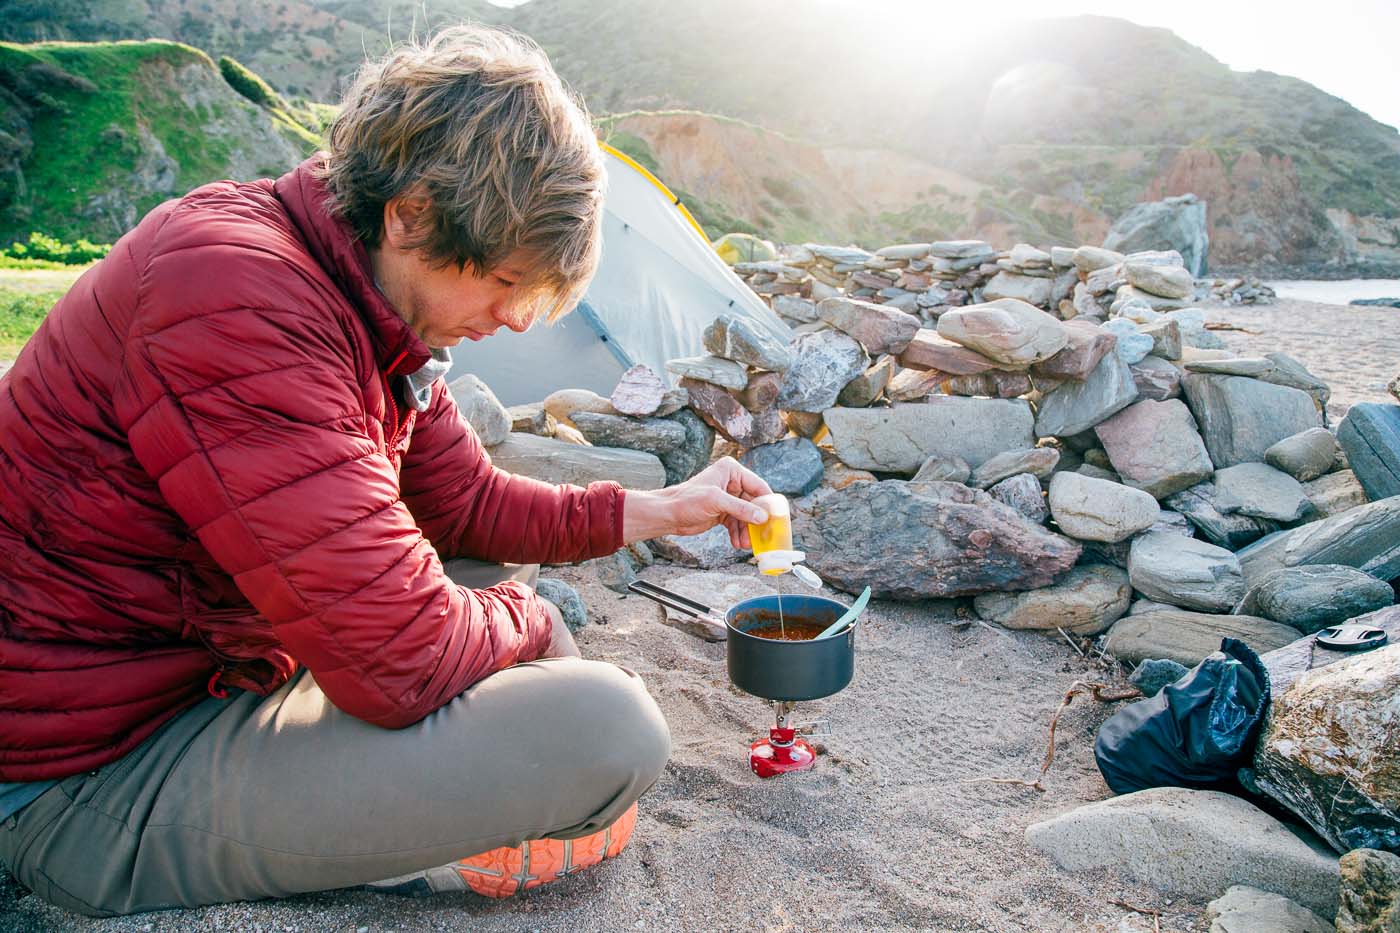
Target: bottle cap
{"points": [[772, 562]]}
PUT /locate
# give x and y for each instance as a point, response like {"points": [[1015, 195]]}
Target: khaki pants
{"points": [[253, 797]]}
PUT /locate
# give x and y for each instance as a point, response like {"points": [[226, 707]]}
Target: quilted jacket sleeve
{"points": [[468, 508], [251, 419]]}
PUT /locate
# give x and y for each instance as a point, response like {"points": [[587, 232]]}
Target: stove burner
{"points": [[782, 751]]}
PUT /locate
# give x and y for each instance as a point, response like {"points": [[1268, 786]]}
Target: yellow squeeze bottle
{"points": [[776, 533]]}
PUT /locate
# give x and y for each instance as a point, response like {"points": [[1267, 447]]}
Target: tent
{"points": [[659, 285]]}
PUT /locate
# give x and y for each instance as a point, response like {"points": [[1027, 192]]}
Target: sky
{"points": [[1347, 48]]}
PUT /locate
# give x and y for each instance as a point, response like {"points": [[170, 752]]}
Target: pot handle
{"points": [[673, 600]]}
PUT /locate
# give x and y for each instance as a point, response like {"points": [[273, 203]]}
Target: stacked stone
{"points": [[735, 389], [1242, 290], [644, 436]]}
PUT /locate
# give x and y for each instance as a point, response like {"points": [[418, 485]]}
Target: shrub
{"points": [[249, 84], [41, 246]]}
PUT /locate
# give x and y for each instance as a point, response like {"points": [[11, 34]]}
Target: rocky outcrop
{"points": [[1177, 223], [927, 540]]}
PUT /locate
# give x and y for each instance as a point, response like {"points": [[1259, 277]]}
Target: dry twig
{"points": [[1152, 912], [1222, 325], [1102, 693]]}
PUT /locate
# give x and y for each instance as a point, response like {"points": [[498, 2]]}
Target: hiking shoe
{"points": [[512, 869]]}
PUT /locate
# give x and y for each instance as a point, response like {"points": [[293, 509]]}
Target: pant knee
{"points": [[639, 740]]}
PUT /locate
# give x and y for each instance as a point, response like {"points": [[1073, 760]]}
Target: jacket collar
{"points": [[397, 348]]}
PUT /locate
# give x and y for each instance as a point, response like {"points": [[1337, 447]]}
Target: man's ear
{"points": [[403, 215]]}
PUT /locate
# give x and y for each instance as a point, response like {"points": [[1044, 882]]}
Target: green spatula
{"points": [[850, 614]]}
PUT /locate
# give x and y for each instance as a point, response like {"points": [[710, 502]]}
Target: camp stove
{"points": [[784, 672], [783, 750]]}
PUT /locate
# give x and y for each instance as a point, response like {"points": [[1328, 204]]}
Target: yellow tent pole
{"points": [[658, 183]]}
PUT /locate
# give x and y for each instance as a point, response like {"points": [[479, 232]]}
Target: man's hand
{"points": [[716, 495]]}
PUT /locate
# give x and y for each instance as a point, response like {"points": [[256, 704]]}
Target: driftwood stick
{"points": [[1102, 693], [1152, 912], [1221, 325]]}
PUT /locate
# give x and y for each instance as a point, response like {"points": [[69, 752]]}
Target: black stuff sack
{"points": [[1196, 732]]}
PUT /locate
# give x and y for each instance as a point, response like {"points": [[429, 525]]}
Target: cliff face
{"points": [[105, 132]]}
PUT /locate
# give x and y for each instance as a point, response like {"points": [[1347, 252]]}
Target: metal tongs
{"points": [[681, 604]]}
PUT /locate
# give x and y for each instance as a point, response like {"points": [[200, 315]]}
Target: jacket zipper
{"points": [[398, 426]]}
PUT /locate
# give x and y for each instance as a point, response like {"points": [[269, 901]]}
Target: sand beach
{"points": [[896, 828]]}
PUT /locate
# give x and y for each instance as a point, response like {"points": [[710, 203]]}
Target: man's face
{"points": [[444, 304]]}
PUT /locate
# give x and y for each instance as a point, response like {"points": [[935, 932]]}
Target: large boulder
{"points": [[1370, 901], [1006, 330], [1366, 537], [1177, 223], [1312, 597], [1196, 843], [1089, 599], [483, 411], [1076, 406], [1155, 447], [1243, 909], [1241, 418], [1370, 434], [1185, 572], [822, 364], [1329, 752], [901, 438], [1098, 510], [926, 540], [1188, 637], [558, 462]]}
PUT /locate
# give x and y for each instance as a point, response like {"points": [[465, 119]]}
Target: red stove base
{"points": [[780, 753]]}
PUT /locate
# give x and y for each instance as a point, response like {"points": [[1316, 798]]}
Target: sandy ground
{"points": [[893, 829], [1355, 350]]}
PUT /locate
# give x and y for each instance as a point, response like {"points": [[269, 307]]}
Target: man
{"points": [[249, 645]]}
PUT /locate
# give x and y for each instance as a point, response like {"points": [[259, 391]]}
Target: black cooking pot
{"points": [[788, 670]]}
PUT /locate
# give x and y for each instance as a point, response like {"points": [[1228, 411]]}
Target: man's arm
{"points": [[252, 425], [468, 508]]}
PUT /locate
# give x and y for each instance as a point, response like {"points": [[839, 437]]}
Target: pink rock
{"points": [[762, 391], [638, 392], [721, 410], [1088, 344], [879, 329], [909, 385], [927, 350]]}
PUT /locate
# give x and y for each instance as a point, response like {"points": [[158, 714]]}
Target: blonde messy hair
{"points": [[476, 120]]}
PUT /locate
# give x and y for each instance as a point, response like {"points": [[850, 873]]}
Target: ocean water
{"points": [[1336, 293]]}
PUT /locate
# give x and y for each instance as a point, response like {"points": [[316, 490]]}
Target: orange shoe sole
{"points": [[509, 870]]}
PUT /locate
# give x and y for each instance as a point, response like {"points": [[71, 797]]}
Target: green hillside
{"points": [[95, 135]]}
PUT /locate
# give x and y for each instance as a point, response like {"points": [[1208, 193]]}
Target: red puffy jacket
{"points": [[206, 479]]}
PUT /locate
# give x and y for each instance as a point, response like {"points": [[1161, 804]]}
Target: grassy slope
{"points": [[88, 141]]}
